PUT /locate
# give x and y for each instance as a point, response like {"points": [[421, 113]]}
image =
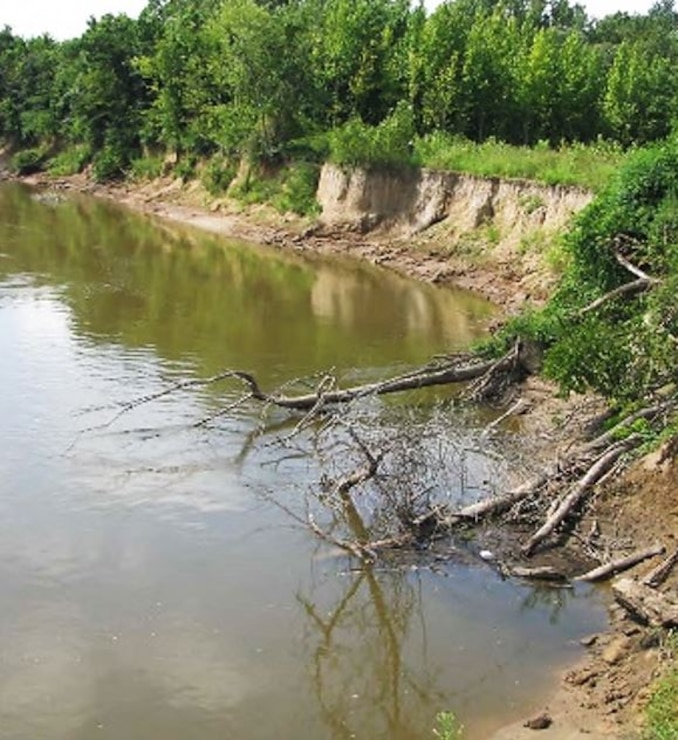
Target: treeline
{"points": [[279, 79]]}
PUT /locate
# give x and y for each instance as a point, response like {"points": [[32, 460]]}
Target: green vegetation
{"points": [[447, 727], [369, 82], [612, 325], [661, 713], [69, 161], [28, 161], [588, 166], [218, 174], [146, 168], [289, 189]]}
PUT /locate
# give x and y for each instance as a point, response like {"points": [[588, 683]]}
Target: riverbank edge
{"points": [[572, 707], [482, 258]]}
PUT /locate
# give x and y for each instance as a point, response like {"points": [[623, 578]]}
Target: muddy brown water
{"points": [[150, 589]]}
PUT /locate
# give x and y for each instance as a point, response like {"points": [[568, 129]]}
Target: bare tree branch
{"points": [[607, 570], [579, 490]]}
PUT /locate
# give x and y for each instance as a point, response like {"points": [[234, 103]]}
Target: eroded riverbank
{"points": [[500, 243], [606, 709]]}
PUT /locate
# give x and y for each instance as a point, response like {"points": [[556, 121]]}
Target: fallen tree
{"points": [[611, 328]]}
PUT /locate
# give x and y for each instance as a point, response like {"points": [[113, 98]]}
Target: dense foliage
{"points": [[612, 326], [358, 80]]}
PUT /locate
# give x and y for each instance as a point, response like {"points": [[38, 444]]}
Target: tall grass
{"points": [[589, 166]]}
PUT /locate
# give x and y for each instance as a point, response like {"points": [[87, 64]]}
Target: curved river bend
{"points": [[150, 588]]}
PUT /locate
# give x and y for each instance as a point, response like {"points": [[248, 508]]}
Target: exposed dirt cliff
{"points": [[499, 237], [408, 202]]}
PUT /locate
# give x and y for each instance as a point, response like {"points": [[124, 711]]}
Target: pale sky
{"points": [[64, 19]]}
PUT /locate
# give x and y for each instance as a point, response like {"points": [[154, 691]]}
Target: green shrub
{"points": [[185, 168], [218, 174], [290, 189], [28, 161], [388, 144], [256, 188], [624, 347], [146, 168], [310, 148], [70, 161], [109, 163], [298, 186]]}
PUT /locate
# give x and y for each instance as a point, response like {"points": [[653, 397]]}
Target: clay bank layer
{"points": [[410, 201]]}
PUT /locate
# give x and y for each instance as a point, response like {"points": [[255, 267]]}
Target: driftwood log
{"points": [[538, 573], [601, 466], [646, 604], [658, 575], [607, 570]]}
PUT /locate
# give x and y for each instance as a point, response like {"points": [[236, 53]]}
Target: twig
{"points": [[635, 286], [649, 412], [633, 269]]}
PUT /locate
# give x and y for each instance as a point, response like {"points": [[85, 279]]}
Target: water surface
{"points": [[150, 587]]}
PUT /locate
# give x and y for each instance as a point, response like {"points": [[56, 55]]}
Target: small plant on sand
{"points": [[447, 726]]}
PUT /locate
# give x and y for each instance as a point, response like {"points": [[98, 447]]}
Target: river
{"points": [[154, 582]]}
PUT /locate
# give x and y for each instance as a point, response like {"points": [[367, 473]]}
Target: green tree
{"points": [[640, 96], [107, 95], [27, 115], [359, 57], [178, 68], [488, 90]]}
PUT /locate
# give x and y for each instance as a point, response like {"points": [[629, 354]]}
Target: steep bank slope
{"points": [[492, 235], [407, 202]]}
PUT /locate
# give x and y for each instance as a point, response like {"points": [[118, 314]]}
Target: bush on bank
{"points": [[626, 346]]}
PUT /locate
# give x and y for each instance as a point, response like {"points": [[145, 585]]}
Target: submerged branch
{"points": [[451, 372]]}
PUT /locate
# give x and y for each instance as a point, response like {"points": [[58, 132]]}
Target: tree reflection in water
{"points": [[369, 689], [552, 599]]}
